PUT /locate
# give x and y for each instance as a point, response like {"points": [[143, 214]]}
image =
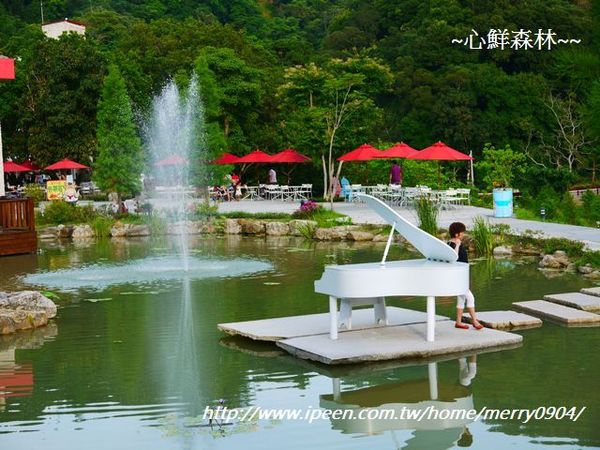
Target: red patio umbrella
{"points": [[440, 152], [173, 160], [10, 166], [65, 164], [30, 165], [289, 156], [365, 152], [257, 156], [226, 158], [400, 150]]}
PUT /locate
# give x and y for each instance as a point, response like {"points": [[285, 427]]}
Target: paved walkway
{"points": [[360, 213]]}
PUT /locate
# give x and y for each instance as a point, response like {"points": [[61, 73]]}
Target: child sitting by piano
{"points": [[457, 231]]}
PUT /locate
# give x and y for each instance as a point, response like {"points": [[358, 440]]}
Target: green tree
{"points": [[333, 106], [500, 166], [118, 166], [54, 98]]}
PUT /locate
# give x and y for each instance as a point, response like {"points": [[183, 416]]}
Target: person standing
{"points": [[396, 173], [272, 176]]}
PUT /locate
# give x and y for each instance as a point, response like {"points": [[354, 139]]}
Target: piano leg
{"points": [[380, 311], [345, 317], [430, 319], [333, 317]]}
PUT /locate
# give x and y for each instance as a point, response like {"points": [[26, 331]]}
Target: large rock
{"points": [[83, 232], [251, 226], [380, 238], [335, 233], [28, 300], [119, 229], [587, 269], [549, 262], [595, 275], [277, 228], [138, 230], [562, 258], [232, 226], [64, 231], [12, 321], [359, 236], [297, 226], [526, 251], [502, 251], [24, 310], [207, 227]]}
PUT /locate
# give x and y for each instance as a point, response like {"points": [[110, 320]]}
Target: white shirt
{"points": [[272, 176]]}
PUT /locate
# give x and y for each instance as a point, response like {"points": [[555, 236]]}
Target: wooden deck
{"points": [[17, 227]]}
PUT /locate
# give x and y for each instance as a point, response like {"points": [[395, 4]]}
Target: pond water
{"points": [[97, 377]]}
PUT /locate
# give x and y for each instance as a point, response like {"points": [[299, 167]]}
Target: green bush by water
{"points": [[427, 211], [60, 212]]}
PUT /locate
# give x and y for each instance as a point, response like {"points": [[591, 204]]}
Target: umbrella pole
{"points": [[439, 175]]}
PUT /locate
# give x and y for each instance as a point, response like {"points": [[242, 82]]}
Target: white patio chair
{"points": [[465, 195]]}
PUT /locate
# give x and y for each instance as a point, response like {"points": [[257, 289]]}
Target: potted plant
{"points": [[500, 167]]}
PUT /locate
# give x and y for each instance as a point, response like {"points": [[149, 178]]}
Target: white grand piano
{"points": [[439, 274]]}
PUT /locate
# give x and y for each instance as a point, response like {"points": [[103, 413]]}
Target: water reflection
{"points": [[16, 379], [435, 410]]}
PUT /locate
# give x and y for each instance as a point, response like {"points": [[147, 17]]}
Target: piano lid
{"points": [[431, 247]]}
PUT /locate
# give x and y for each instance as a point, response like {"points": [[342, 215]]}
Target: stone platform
{"points": [[576, 300], [405, 338], [396, 342], [558, 313], [505, 320], [591, 291], [310, 324]]}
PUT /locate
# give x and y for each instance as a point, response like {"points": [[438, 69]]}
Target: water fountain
{"points": [[173, 133]]}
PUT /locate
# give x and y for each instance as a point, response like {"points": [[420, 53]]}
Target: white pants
{"points": [[468, 298]]}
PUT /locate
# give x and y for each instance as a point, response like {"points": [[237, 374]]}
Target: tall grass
{"points": [[102, 225], [427, 211], [483, 237]]}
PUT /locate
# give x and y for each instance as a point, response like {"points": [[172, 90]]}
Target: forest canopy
{"points": [[273, 68]]}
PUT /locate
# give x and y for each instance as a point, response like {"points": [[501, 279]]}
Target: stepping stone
{"points": [[558, 313], [591, 291], [407, 342], [577, 300], [505, 320]]}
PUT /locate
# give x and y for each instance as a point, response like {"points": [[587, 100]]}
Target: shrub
{"points": [[592, 258], [427, 211], [483, 237], [206, 211], [307, 210], [572, 248], [58, 212], [35, 192]]}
